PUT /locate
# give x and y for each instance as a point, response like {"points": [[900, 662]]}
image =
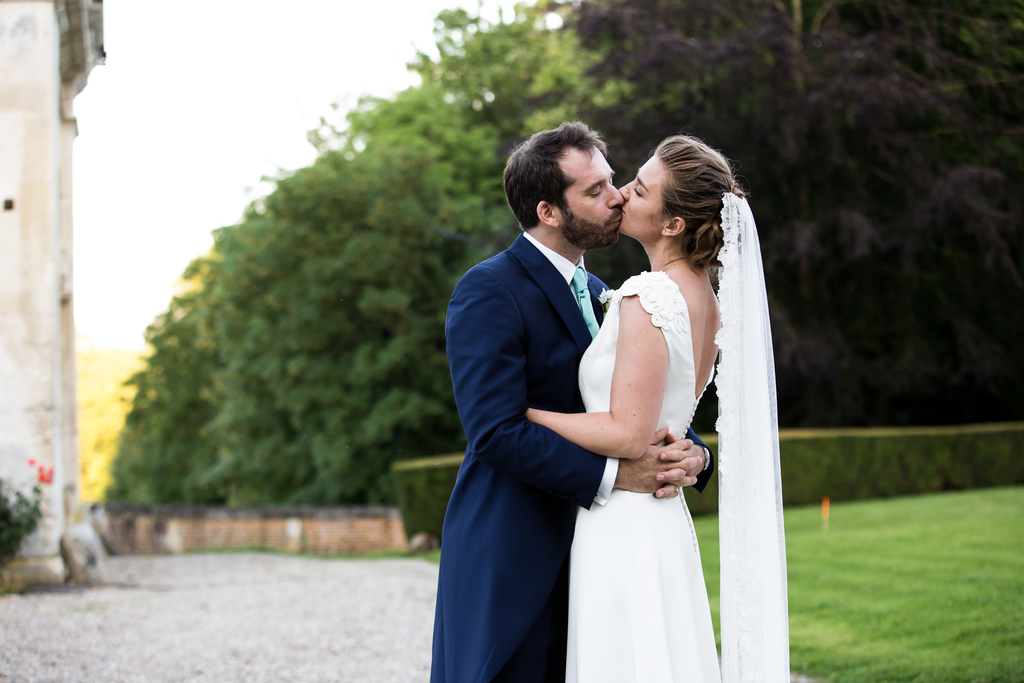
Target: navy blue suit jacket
{"points": [[515, 338]]}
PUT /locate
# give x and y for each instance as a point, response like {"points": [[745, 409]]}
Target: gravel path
{"points": [[246, 617], [229, 618]]}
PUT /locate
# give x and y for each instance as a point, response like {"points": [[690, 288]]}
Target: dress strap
{"points": [[660, 296]]}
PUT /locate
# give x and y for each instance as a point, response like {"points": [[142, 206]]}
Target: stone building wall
{"points": [[47, 50], [144, 529]]}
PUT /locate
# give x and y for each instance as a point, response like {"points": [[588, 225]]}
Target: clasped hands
{"points": [[662, 470]]}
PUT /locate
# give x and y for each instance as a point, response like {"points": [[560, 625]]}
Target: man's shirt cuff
{"points": [[604, 492]]}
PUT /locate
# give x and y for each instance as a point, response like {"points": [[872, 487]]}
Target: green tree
{"points": [[308, 353], [332, 324], [103, 402], [462, 153], [882, 145], [165, 451], [492, 85]]}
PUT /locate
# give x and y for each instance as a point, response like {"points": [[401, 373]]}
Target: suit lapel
{"points": [[594, 285], [555, 289]]}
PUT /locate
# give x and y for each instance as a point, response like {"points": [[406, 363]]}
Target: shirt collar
{"points": [[565, 267]]}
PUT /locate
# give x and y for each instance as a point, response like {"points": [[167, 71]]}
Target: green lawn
{"points": [[926, 588]]}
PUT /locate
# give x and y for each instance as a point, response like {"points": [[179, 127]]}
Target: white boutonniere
{"points": [[605, 299]]}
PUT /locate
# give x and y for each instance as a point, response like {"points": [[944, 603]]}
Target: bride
{"points": [[638, 606]]}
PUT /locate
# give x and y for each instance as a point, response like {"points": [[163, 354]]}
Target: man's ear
{"points": [[549, 215], [674, 226]]}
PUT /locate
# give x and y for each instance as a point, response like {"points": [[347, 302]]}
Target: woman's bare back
{"points": [[705, 317]]}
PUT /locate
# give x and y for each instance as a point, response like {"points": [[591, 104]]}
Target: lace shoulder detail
{"points": [[659, 296]]}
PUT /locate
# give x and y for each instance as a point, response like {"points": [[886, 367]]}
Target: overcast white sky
{"points": [[198, 101]]}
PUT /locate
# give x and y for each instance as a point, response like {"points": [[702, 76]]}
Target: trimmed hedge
{"points": [[844, 464], [423, 487], [854, 464]]}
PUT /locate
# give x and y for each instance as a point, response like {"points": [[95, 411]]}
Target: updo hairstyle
{"points": [[698, 177]]}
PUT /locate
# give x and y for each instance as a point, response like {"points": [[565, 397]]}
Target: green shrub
{"points": [[19, 517], [844, 464], [855, 464], [423, 487]]}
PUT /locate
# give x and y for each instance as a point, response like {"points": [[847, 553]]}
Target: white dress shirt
{"points": [[567, 269]]}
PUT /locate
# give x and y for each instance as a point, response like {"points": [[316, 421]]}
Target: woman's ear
{"points": [[673, 226], [549, 215]]}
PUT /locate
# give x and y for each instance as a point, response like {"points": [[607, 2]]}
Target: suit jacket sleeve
{"points": [[704, 477], [486, 334]]}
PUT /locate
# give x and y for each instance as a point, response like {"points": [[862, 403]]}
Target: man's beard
{"points": [[584, 234]]}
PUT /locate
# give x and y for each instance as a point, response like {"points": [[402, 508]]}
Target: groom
{"points": [[517, 326]]}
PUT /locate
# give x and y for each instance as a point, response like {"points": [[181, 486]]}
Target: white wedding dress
{"points": [[638, 607]]}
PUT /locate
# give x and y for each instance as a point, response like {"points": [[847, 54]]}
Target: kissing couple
{"points": [[567, 552]]}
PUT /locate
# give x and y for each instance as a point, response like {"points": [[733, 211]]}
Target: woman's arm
{"points": [[638, 390]]}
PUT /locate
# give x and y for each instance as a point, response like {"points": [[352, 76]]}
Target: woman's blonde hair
{"points": [[698, 177]]}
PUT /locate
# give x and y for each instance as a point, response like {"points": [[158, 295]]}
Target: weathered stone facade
{"points": [[47, 50]]}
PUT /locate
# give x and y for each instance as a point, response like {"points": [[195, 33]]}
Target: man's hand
{"points": [[689, 458], [662, 469]]}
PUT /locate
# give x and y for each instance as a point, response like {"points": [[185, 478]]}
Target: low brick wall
{"points": [[130, 529]]}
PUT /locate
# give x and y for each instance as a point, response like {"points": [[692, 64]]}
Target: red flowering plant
{"points": [[20, 514]]}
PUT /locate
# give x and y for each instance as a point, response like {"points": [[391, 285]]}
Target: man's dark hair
{"points": [[532, 174]]}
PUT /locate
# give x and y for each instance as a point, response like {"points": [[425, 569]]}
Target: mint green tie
{"points": [[579, 285]]}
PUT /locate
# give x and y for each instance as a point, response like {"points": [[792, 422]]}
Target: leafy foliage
{"points": [[491, 86], [423, 487], [332, 337], [165, 451], [19, 517], [310, 352], [854, 464], [103, 402], [462, 155], [882, 143]]}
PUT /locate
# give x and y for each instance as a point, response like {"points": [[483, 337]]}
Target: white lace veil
{"points": [[754, 602]]}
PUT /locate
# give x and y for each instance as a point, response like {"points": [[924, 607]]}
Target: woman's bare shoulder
{"points": [[695, 286]]}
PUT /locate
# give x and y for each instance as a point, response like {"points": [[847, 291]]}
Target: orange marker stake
{"points": [[824, 513]]}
